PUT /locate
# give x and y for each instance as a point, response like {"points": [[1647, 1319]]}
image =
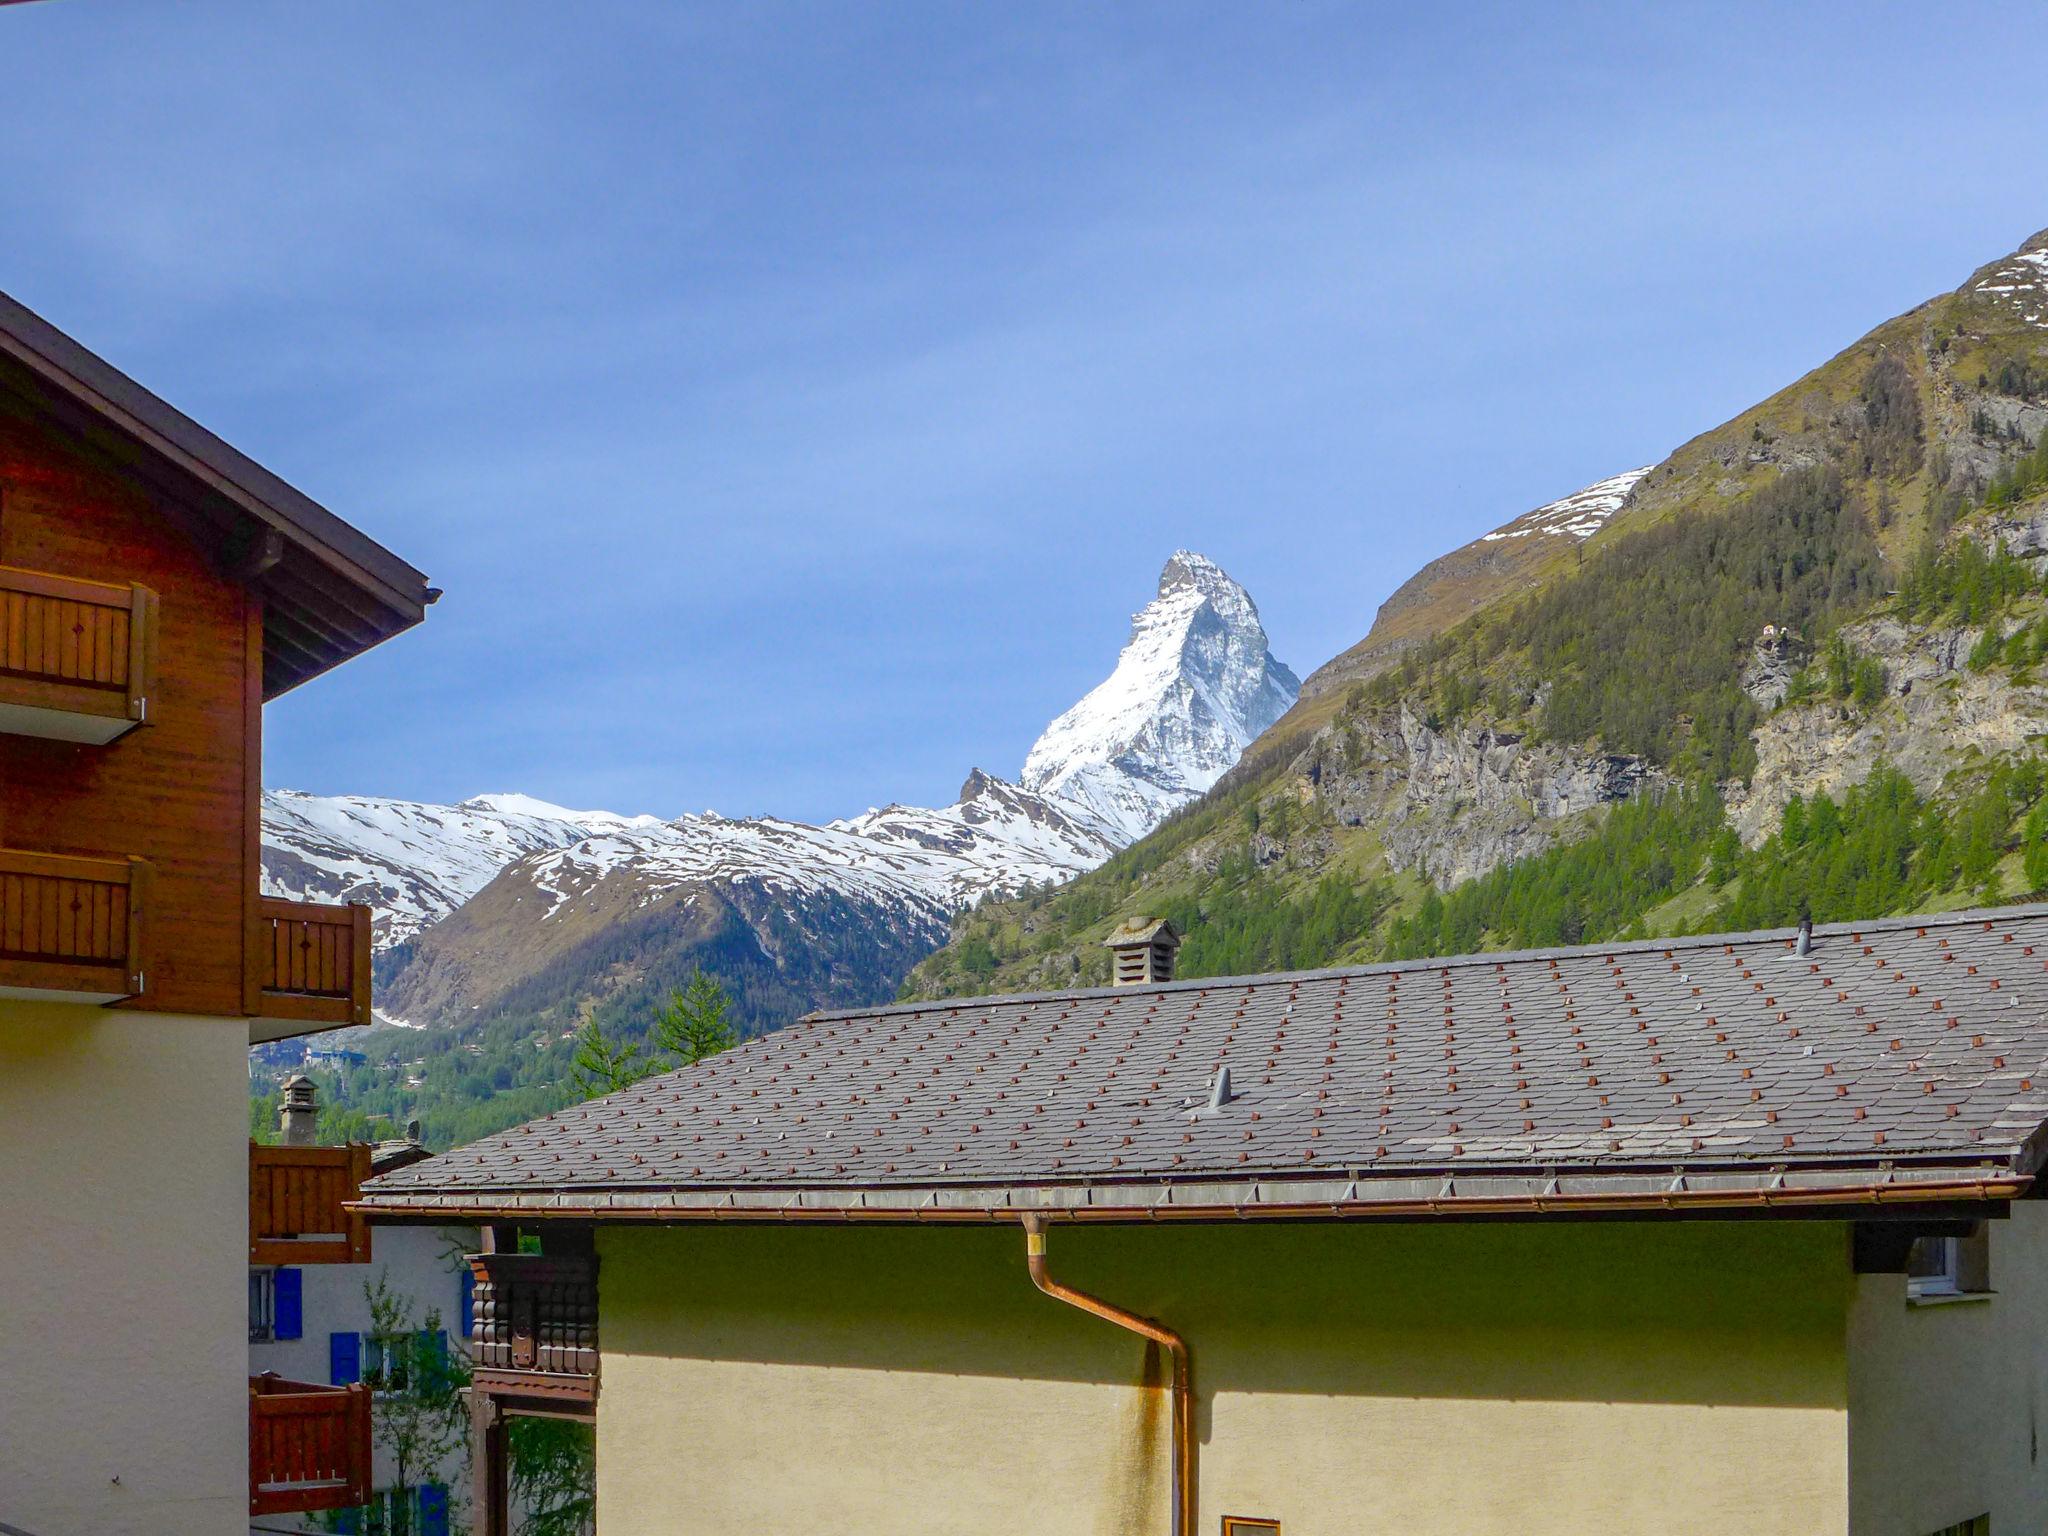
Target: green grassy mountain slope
{"points": [[1584, 737]]}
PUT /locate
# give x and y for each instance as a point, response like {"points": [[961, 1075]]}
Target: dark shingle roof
{"points": [[1898, 1056]]}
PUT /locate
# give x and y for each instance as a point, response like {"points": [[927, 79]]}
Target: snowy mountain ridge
{"points": [[1192, 688]]}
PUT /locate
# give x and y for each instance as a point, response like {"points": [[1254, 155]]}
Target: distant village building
{"points": [[313, 1324], [1733, 1233], [156, 589]]}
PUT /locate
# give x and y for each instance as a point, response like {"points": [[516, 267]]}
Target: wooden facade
{"points": [[309, 1446], [298, 1204], [75, 656], [533, 1350], [312, 963], [133, 657], [535, 1330], [74, 926]]}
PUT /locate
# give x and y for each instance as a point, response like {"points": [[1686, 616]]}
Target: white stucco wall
{"points": [[1946, 1401], [123, 1260]]}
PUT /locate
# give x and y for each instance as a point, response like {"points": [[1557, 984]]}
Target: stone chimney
{"points": [[301, 1112], [1142, 951]]}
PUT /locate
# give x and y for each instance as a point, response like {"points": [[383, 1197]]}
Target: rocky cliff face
{"points": [[1452, 804], [1937, 718]]}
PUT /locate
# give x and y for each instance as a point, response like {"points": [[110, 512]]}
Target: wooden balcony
{"points": [[311, 967], [73, 929], [534, 1340], [298, 1199], [76, 657], [309, 1446]]}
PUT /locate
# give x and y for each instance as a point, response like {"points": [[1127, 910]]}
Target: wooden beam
{"points": [[491, 1512]]}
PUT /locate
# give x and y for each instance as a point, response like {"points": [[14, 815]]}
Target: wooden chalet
{"points": [[157, 588]]}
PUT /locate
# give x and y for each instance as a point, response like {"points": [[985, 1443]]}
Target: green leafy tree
{"points": [[420, 1419], [553, 1466], [693, 1024]]}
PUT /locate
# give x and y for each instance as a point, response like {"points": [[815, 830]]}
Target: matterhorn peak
{"points": [[1194, 685]]}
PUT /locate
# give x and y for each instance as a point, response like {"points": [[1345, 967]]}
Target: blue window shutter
{"points": [[348, 1521], [287, 1300], [344, 1358], [433, 1510], [468, 1303]]}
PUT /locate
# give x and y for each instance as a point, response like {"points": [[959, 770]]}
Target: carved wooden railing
{"points": [[298, 1198], [76, 657], [309, 1446], [312, 961], [535, 1328], [74, 926]]}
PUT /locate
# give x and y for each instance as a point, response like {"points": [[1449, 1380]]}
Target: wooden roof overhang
{"points": [[1828, 1192], [330, 591]]}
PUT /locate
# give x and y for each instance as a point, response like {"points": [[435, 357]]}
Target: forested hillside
{"points": [[1795, 670]]}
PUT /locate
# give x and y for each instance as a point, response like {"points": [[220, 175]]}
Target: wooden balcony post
{"points": [[491, 1466], [359, 962], [358, 1224]]}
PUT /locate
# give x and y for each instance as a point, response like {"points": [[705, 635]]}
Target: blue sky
{"points": [[795, 400]]}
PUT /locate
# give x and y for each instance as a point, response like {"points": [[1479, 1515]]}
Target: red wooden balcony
{"points": [[73, 929], [535, 1330], [298, 1198], [309, 1446], [312, 967], [76, 657]]}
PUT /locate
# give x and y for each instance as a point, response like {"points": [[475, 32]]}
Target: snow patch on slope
{"points": [[996, 840], [1195, 684], [1579, 515], [2020, 281], [415, 863]]}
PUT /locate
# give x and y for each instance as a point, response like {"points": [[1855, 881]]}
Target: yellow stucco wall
{"points": [[123, 1264], [1948, 1404], [1501, 1379]]}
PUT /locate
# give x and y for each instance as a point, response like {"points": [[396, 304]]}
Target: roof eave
{"points": [[396, 593], [1440, 1196]]}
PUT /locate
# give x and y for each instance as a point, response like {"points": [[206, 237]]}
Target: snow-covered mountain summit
{"points": [[1195, 684]]}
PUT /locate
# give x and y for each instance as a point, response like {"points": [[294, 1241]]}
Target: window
{"points": [[262, 1304], [421, 1511], [276, 1309], [1979, 1526], [1938, 1267], [1247, 1525], [399, 1362]]}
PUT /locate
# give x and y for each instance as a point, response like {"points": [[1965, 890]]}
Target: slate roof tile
{"points": [[1908, 1039]]}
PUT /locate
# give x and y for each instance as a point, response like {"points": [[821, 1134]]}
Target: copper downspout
{"points": [[1183, 1370]]}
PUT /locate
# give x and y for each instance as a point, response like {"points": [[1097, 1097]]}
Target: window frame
{"points": [[1962, 1268], [262, 1304], [1250, 1525]]}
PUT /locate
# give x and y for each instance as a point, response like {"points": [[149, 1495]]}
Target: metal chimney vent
{"points": [[1141, 952]]}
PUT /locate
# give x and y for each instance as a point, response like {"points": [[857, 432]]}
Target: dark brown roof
{"points": [[1897, 1060], [331, 590]]}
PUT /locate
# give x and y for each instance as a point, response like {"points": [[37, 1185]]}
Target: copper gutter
{"points": [[1996, 1188], [1183, 1520]]}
